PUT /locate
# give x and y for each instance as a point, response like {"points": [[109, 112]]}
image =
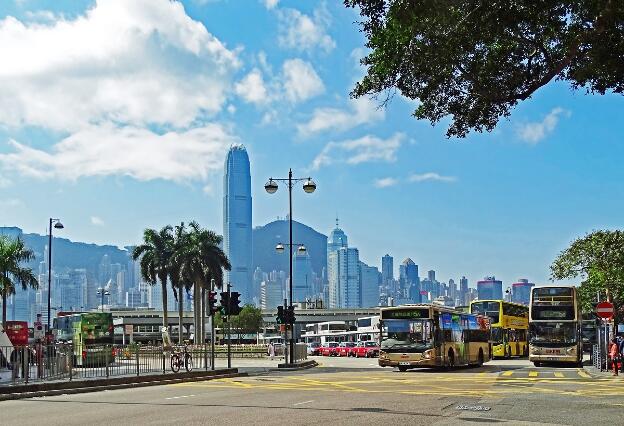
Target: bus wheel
{"points": [[451, 359], [481, 358], [402, 368]]}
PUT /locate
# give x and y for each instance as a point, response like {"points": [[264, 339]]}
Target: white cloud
{"points": [[385, 182], [97, 221], [139, 153], [270, 4], [363, 150], [423, 177], [303, 32], [361, 111], [252, 88], [301, 82], [134, 62], [534, 132]]}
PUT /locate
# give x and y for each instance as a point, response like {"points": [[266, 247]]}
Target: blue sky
{"points": [[116, 115]]}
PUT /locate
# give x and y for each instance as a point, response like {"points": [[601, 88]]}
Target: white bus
{"points": [[555, 324]]}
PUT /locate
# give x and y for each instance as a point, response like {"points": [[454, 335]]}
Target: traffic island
{"points": [[10, 392], [297, 365]]}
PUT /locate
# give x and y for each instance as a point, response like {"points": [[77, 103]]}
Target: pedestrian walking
{"points": [[271, 351], [614, 354]]}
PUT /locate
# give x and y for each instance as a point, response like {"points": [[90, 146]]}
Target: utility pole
{"points": [[229, 343]]}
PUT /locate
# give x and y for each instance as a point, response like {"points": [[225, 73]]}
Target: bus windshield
{"points": [[406, 335], [490, 309], [553, 333]]}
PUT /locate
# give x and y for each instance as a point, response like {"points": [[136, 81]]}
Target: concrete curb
{"points": [[89, 386], [296, 366]]}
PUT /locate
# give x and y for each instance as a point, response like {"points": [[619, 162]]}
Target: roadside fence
{"points": [[63, 362]]}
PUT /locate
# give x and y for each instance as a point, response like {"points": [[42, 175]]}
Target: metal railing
{"points": [[66, 362]]}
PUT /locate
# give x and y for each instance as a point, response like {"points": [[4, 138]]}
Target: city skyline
{"points": [[502, 203]]}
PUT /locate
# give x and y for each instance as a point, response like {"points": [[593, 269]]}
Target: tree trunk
{"points": [[4, 300], [163, 283], [180, 312], [196, 304], [202, 315]]}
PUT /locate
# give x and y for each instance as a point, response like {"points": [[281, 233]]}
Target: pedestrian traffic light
{"points": [[290, 314], [280, 315], [234, 303], [212, 303], [225, 303]]}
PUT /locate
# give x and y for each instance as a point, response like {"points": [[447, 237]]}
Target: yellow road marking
{"points": [[507, 373], [558, 374], [582, 373], [533, 373]]}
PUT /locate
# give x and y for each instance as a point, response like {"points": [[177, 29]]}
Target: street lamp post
{"points": [[309, 187], [102, 292], [58, 225]]}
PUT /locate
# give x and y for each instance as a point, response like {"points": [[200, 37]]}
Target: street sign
{"points": [[604, 310], [128, 328]]}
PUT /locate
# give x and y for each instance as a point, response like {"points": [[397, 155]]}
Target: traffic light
{"points": [[225, 303], [290, 314], [234, 303], [212, 302], [280, 315]]}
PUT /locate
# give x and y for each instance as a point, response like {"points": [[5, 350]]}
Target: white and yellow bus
{"points": [[510, 323], [555, 324], [432, 336]]}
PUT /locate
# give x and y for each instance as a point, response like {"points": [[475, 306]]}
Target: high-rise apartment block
{"points": [[521, 291], [490, 289]]}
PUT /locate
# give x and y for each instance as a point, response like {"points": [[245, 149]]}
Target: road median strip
{"points": [[60, 388]]}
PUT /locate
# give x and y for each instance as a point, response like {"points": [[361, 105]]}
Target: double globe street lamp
{"points": [[101, 291], [309, 187], [57, 225]]}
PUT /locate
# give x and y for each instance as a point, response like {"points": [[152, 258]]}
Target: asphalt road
{"points": [[348, 391]]}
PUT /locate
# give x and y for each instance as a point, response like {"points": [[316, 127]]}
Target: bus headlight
{"points": [[535, 351], [427, 354], [571, 351], [382, 355]]}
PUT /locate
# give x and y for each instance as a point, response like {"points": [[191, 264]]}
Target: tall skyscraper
{"points": [[463, 291], [344, 278], [302, 277], [337, 239], [431, 275], [387, 269], [521, 291], [369, 283], [490, 289], [237, 238]]}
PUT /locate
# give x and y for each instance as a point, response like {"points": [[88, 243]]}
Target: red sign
{"points": [[604, 310]]}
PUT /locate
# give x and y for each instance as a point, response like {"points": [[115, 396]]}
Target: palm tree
{"points": [[12, 254], [203, 261], [155, 254], [178, 282]]}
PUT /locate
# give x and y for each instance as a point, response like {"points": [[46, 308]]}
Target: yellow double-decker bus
{"points": [[510, 324], [432, 336]]}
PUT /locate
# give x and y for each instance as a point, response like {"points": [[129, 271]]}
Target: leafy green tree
{"points": [[474, 61], [598, 259], [155, 254], [12, 254], [248, 321]]}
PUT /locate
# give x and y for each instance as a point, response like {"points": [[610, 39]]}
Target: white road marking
{"points": [[181, 396], [304, 402]]}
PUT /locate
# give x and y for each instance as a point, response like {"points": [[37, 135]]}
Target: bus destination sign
{"points": [[405, 313]]}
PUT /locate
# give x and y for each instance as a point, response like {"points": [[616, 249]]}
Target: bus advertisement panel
{"points": [[92, 337], [555, 326], [510, 323], [432, 336]]}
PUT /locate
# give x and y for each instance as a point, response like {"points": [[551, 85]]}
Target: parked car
{"points": [[344, 348], [329, 349], [314, 348], [368, 349]]}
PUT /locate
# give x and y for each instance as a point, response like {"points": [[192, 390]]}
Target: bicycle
{"points": [[182, 358]]}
